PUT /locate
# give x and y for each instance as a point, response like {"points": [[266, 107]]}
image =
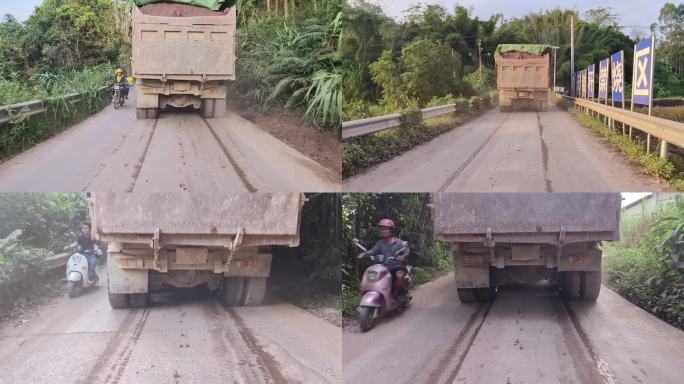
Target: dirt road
{"points": [[184, 338], [180, 151], [528, 335], [509, 152]]}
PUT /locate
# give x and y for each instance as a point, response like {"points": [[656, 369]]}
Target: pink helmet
{"points": [[386, 223]]}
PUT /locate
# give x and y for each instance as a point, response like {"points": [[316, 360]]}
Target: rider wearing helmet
{"points": [[389, 246], [120, 77]]}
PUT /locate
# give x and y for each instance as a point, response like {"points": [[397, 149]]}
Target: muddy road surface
{"points": [[527, 335], [179, 151], [186, 337], [518, 151]]}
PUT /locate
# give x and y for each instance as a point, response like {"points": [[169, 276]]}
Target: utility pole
{"points": [[572, 54], [479, 53], [554, 67]]}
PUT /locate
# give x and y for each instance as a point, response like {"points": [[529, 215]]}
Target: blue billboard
{"points": [[617, 70], [603, 79], [642, 82]]}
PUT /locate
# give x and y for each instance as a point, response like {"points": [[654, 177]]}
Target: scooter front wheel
{"points": [[366, 318], [72, 289]]}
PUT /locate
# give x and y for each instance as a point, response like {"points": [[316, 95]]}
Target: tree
{"points": [[671, 21]]}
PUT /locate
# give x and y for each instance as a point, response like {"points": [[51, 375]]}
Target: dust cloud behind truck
{"points": [[183, 56], [526, 237], [159, 241], [522, 76]]}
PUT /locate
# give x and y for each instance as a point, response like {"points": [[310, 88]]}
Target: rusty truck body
{"points": [[162, 240], [522, 76], [526, 237], [182, 56]]}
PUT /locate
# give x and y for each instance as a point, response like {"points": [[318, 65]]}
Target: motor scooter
{"points": [[377, 298], [77, 273]]}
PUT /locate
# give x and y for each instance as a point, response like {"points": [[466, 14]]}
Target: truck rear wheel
{"points": [[466, 295], [146, 113], [213, 108], [118, 300], [570, 284], [139, 300], [255, 288], [591, 285], [232, 290]]}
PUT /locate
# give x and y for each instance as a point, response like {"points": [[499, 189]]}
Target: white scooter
{"points": [[77, 273]]}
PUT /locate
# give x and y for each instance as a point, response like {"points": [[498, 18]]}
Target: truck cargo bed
{"points": [[195, 219], [526, 217]]}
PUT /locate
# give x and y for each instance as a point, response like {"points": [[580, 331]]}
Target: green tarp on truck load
{"points": [[214, 5], [535, 49]]}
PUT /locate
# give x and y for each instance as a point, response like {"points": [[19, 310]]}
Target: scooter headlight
{"points": [[373, 276]]}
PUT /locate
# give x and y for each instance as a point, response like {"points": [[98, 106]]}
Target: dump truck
{"points": [[522, 76], [500, 238], [159, 241], [182, 56]]}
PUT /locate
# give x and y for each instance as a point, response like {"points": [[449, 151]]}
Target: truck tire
{"points": [[118, 300], [139, 300], [141, 113], [504, 108], [570, 284], [591, 285], [466, 295], [207, 108], [254, 290], [232, 290], [219, 108]]}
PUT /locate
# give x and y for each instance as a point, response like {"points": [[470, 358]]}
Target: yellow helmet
{"points": [[119, 71]]}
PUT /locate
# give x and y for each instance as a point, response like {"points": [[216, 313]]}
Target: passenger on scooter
{"points": [[86, 246], [120, 77], [389, 246]]}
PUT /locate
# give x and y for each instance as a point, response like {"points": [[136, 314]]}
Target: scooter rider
{"points": [[389, 246], [85, 245]]}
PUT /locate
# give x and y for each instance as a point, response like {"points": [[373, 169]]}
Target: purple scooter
{"points": [[376, 289]]}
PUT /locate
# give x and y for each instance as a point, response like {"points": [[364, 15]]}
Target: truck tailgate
{"points": [[523, 73], [136, 217], [526, 217], [199, 46]]}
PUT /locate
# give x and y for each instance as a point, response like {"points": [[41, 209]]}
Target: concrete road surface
{"points": [[520, 151], [527, 335], [180, 151], [188, 338]]}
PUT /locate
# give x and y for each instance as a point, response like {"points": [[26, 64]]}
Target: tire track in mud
{"points": [[548, 187], [117, 368], [606, 375], [470, 158], [267, 364], [137, 167], [240, 172]]}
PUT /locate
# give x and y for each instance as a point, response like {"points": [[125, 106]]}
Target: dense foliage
{"points": [[412, 216], [643, 266], [291, 60]]}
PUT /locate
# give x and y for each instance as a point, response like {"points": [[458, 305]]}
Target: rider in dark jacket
{"points": [[389, 246]]}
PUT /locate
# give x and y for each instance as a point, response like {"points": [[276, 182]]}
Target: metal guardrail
{"points": [[57, 261], [36, 107], [671, 132], [362, 127]]}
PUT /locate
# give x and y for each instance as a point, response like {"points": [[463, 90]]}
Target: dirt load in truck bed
{"points": [[178, 10]]}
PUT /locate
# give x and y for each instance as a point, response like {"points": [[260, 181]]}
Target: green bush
{"points": [[18, 264], [643, 270]]}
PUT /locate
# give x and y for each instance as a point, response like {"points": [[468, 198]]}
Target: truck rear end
{"points": [[522, 76], [183, 56], [526, 237], [162, 240]]}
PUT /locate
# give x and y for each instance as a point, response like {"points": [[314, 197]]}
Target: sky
{"points": [[21, 9], [631, 12]]}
